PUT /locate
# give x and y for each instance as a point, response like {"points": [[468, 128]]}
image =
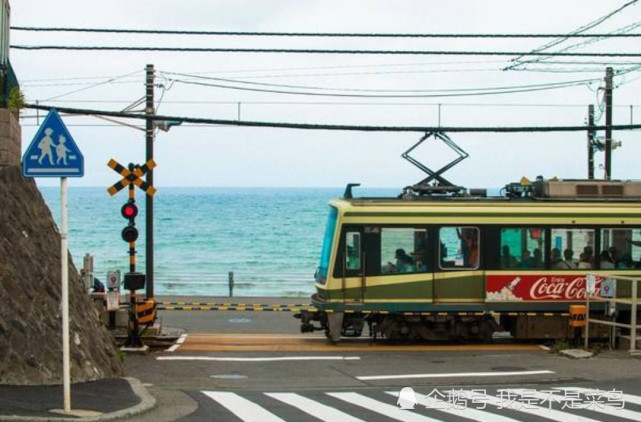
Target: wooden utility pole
{"points": [[591, 136], [608, 122], [149, 200]]}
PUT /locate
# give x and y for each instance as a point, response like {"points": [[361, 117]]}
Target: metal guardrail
{"points": [[610, 286]]}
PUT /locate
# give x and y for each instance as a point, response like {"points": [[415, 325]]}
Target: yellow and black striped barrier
{"points": [[255, 307], [240, 307]]}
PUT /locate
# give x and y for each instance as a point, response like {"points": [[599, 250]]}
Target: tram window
{"points": [[523, 248], [620, 249], [353, 251], [575, 247], [403, 250], [459, 247]]}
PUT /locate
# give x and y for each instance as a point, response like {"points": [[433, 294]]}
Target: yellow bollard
{"points": [[578, 318]]}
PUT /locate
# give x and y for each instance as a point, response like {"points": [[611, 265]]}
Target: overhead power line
{"points": [[574, 33], [308, 34], [265, 84], [313, 126], [439, 94], [345, 103], [317, 51]]}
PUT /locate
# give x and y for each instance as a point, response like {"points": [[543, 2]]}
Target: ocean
{"points": [[269, 237]]}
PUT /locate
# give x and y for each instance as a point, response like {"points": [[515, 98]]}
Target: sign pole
{"points": [[54, 153], [65, 294]]}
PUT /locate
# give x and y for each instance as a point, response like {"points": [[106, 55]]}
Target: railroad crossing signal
{"points": [[130, 211], [134, 280], [132, 175]]}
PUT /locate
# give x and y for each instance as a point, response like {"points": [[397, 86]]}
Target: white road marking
{"points": [[178, 343], [505, 403], [454, 374], [314, 408], [385, 409], [270, 359], [462, 412], [583, 404], [243, 408]]}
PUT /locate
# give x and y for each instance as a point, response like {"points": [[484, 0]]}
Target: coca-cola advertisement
{"points": [[537, 287]]}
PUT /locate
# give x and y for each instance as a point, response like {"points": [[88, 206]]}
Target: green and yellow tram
{"points": [[462, 266]]}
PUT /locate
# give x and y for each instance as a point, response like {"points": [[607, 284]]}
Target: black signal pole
{"points": [[608, 122], [149, 200]]}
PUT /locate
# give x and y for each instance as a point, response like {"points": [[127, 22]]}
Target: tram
{"points": [[464, 265]]}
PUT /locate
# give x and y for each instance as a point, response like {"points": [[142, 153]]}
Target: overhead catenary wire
{"points": [[40, 82], [544, 60], [318, 126], [110, 80], [579, 31], [352, 95], [310, 34], [265, 84], [318, 51], [348, 103]]}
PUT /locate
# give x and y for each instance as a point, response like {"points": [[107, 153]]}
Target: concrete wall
{"points": [[10, 139]]}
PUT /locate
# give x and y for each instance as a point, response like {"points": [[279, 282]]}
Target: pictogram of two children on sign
{"points": [[47, 146]]}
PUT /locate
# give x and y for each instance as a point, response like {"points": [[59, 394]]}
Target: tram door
{"points": [[354, 273], [459, 277]]}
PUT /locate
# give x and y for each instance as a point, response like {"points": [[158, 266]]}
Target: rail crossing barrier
{"points": [[613, 290], [298, 307]]}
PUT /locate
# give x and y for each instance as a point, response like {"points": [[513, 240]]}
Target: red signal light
{"points": [[129, 211]]}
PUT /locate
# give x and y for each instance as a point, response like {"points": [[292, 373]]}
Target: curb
{"points": [[147, 402]]}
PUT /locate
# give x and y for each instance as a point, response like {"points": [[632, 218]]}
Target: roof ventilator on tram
{"points": [[574, 189], [435, 183]]}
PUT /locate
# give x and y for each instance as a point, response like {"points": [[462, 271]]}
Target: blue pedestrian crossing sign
{"points": [[53, 152]]}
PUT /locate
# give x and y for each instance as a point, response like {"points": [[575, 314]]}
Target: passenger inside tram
{"points": [[507, 260]]}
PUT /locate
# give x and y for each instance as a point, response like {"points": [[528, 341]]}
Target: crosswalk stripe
{"points": [[454, 375], [463, 412], [607, 410], [242, 408], [384, 409], [314, 408], [628, 398], [543, 412]]}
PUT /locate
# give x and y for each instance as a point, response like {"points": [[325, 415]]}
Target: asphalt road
{"points": [[234, 366]]}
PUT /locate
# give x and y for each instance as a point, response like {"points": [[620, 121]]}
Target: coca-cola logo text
{"points": [[560, 288]]}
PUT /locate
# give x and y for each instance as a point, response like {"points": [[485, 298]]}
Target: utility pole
{"points": [[149, 200], [608, 122], [591, 136]]}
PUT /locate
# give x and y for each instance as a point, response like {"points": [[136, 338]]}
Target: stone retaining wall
{"points": [[10, 139]]}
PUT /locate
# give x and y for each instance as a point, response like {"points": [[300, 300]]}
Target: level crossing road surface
{"points": [[246, 366], [199, 342]]}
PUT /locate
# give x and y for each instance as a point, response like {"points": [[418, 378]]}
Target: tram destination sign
{"points": [[538, 287]]}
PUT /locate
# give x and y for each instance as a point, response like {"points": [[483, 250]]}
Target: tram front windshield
{"points": [[321, 273]]}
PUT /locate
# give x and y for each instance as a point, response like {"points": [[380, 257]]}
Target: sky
{"points": [[199, 155]]}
